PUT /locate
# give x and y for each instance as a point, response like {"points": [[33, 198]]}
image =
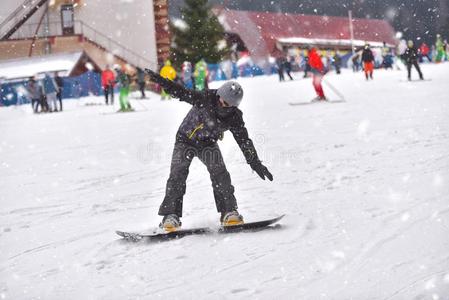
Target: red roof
{"points": [[260, 30]]}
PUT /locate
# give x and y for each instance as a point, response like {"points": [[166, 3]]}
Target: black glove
{"points": [[261, 170], [153, 75]]}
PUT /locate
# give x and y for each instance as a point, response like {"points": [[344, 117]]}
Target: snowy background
{"points": [[364, 185]]}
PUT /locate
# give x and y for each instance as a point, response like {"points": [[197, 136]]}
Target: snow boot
{"points": [[170, 223], [231, 218]]}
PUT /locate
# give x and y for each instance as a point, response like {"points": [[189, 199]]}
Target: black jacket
{"points": [[206, 121], [367, 55], [411, 55]]}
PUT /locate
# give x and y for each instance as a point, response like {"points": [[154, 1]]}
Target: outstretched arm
{"points": [[174, 89], [240, 134]]}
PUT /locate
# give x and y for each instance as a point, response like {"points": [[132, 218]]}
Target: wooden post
{"points": [[162, 28]]}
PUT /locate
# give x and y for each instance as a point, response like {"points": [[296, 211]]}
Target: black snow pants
{"points": [[109, 90], [183, 155], [409, 69]]}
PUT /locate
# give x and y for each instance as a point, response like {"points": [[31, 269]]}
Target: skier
{"points": [[317, 69], [124, 81], [167, 72], [213, 113], [108, 82], [368, 61], [411, 58], [200, 75]]}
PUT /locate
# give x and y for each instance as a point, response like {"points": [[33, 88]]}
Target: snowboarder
{"points": [[124, 81], [317, 69], [368, 61], [200, 75], [108, 82], [213, 113], [167, 72], [411, 58]]}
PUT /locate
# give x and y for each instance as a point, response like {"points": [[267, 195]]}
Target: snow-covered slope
{"points": [[364, 185]]}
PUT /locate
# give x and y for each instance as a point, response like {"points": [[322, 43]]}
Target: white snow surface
{"points": [[364, 185]]}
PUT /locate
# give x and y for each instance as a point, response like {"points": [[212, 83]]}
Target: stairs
{"points": [[19, 16]]}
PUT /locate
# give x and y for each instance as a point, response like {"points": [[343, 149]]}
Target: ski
{"points": [[315, 101]]}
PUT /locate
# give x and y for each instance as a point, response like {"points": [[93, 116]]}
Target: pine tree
{"points": [[202, 36]]}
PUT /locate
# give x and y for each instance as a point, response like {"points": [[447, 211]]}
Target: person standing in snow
{"points": [[108, 82], [337, 62], [124, 82], [439, 49], [200, 75], [368, 61], [387, 59], [317, 69], [187, 75], [60, 83], [167, 72], [35, 91], [50, 89], [306, 64], [355, 62], [411, 58], [280, 65], [213, 113], [424, 52], [141, 82], [288, 67]]}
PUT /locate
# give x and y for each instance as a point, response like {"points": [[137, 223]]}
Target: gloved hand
{"points": [[153, 75], [261, 170]]}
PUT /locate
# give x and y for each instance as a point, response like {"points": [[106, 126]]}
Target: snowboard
{"points": [[161, 236]]}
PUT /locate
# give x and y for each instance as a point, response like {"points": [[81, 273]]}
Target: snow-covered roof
{"points": [[28, 67], [328, 42], [261, 31]]}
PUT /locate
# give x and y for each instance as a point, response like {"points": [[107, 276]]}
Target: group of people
{"points": [[191, 78], [121, 78], [46, 93]]}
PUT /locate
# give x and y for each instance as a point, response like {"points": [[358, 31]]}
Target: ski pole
{"points": [[335, 90]]}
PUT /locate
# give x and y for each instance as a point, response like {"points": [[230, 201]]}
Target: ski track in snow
{"points": [[364, 184]]}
